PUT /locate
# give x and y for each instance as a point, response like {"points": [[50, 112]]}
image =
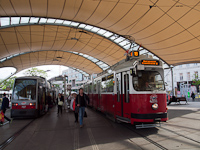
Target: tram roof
{"points": [[97, 29]]}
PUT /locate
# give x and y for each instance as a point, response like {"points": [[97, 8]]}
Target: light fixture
{"points": [[55, 59], [74, 39], [59, 57]]}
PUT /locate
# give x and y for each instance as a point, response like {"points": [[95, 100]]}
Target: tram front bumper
{"points": [[25, 113], [156, 117]]}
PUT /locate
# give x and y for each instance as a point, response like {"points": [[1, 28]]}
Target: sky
{"points": [[52, 71]]}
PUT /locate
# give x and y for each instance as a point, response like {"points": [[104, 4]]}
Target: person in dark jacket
{"points": [[4, 106], [49, 101], [193, 96], [60, 98], [82, 100]]}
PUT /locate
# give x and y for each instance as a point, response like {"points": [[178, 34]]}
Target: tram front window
{"points": [[148, 81], [25, 89]]}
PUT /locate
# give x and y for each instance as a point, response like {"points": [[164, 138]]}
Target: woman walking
{"points": [[73, 106], [60, 101]]}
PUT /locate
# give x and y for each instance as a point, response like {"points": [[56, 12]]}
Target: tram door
{"points": [[99, 94], [126, 99], [121, 104]]}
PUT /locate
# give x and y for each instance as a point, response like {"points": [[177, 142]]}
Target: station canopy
{"points": [[92, 35]]}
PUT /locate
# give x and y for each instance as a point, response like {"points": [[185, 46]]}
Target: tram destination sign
{"points": [[150, 62]]}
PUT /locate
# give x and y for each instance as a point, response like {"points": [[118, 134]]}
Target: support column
{"points": [[172, 76]]}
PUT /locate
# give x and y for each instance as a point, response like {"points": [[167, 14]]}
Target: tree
{"points": [[56, 85], [8, 83], [35, 72], [196, 81]]}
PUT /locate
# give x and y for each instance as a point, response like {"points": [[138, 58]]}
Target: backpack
{"points": [[1, 116], [74, 105]]}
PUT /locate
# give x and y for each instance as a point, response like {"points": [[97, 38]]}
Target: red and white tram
{"points": [[132, 92]]}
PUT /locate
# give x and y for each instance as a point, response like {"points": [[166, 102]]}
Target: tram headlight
{"points": [[155, 106]]}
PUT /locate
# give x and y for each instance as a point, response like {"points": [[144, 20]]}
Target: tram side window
{"points": [[103, 85], [110, 83], [86, 89], [90, 88], [95, 87]]}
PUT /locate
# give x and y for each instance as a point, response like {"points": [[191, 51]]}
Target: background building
{"points": [[183, 79], [76, 79]]}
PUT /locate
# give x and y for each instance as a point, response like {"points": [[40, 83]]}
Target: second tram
{"points": [[29, 97]]}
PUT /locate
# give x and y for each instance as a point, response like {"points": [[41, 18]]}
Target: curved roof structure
{"points": [[51, 57], [19, 40], [168, 29]]}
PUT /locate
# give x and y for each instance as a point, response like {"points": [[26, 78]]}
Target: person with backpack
{"points": [[73, 106], [4, 106], [82, 100]]}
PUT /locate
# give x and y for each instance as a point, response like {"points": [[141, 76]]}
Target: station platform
{"points": [[52, 132]]}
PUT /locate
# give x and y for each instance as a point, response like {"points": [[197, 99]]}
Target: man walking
{"points": [[193, 96], [82, 100], [4, 106]]}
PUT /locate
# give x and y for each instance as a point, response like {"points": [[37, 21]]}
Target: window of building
{"points": [[188, 76], [196, 76], [187, 65], [181, 76]]}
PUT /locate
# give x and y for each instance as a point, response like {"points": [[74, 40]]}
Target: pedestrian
{"points": [[4, 106], [73, 106], [82, 100], [49, 101], [70, 98], [60, 101], [193, 96]]}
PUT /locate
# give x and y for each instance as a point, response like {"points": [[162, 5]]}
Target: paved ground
{"points": [[182, 131]]}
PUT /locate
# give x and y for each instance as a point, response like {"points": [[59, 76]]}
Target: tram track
{"points": [[180, 135], [145, 137], [136, 132], [14, 136]]}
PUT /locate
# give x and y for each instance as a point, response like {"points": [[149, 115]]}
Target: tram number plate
{"points": [[157, 119], [23, 106]]}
